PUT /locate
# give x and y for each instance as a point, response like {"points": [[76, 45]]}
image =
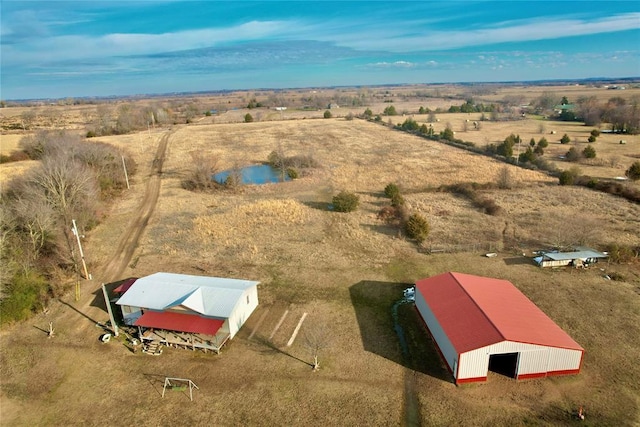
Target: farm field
{"points": [[346, 271]]}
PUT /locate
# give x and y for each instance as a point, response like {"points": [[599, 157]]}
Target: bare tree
{"points": [[317, 337], [28, 117], [203, 168], [103, 121], [192, 111], [7, 234], [70, 190], [504, 179], [36, 219]]}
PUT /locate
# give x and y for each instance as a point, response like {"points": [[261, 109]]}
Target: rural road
{"points": [[91, 304], [123, 253]]}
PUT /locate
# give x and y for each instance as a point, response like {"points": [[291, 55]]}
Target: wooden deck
{"points": [[185, 340]]}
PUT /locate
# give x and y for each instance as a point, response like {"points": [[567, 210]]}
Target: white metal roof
{"points": [[580, 253], [209, 296]]}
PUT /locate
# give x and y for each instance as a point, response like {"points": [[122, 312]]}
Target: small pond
{"points": [[256, 174]]}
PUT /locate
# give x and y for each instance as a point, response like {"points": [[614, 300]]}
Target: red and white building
{"points": [[480, 324]]}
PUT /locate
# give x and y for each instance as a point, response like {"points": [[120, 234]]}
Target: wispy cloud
{"points": [[79, 47], [412, 36], [398, 40]]}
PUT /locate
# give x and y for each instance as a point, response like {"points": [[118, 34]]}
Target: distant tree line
{"points": [[622, 115]]}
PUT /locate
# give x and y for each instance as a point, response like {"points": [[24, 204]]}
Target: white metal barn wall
{"points": [[446, 348], [243, 310], [533, 359]]}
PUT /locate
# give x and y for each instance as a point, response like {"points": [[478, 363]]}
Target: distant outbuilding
{"points": [[579, 257], [187, 311], [480, 324]]}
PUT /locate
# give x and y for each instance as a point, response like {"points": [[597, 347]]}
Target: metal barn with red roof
{"points": [[481, 324], [187, 311]]}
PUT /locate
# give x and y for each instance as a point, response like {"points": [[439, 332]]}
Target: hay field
{"points": [[345, 271]]}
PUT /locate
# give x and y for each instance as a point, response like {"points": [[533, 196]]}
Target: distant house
{"points": [[333, 106], [187, 311], [579, 257], [481, 324]]}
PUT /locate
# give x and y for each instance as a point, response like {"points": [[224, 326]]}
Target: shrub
{"points": [[447, 134], [292, 173], [565, 139], [543, 143], [410, 125], [26, 294], [591, 138], [506, 148], [568, 177], [345, 202], [387, 214], [390, 111], [417, 227], [391, 190], [527, 156], [504, 179], [633, 173], [489, 206], [397, 200], [248, 118], [589, 152], [595, 133], [327, 114], [622, 254], [275, 160], [573, 155], [349, 116], [368, 113]]}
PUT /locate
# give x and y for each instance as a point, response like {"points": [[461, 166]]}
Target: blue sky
{"points": [[56, 49]]}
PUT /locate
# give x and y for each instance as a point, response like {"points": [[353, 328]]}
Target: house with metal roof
{"points": [[579, 257], [187, 311], [481, 324]]}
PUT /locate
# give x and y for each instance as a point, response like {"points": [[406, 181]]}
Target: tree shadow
{"points": [[392, 328], [388, 230], [321, 206], [156, 381], [78, 311], [273, 349], [42, 330]]}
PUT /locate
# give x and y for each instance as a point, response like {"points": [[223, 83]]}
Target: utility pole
{"points": [[126, 175], [114, 326], [84, 264]]}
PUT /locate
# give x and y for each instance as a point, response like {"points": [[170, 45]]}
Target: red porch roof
{"points": [[124, 286], [179, 322]]}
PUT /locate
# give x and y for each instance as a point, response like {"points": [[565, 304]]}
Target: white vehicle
{"points": [[410, 294]]}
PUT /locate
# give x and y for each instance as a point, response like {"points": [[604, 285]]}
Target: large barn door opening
{"points": [[504, 364]]}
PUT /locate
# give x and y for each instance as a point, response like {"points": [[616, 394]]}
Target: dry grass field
{"points": [[346, 271]]}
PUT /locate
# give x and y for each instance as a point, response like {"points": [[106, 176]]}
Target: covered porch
{"points": [[181, 330], [184, 340]]}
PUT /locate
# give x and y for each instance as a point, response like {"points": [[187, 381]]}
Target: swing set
{"points": [[179, 384]]}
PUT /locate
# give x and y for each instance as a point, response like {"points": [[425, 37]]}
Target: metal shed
{"points": [[579, 257], [480, 324], [190, 311]]}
